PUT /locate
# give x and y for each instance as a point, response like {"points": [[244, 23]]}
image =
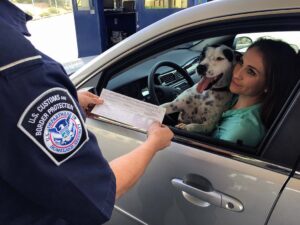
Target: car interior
{"points": [[134, 78]]}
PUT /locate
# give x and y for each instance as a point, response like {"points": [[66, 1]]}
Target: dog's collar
{"points": [[221, 89]]}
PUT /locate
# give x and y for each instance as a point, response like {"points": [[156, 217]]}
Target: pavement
{"points": [[55, 36]]}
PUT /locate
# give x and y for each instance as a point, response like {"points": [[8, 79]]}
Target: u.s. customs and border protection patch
{"points": [[53, 122]]}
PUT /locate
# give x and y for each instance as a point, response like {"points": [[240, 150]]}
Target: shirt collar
{"points": [[14, 16], [15, 48]]}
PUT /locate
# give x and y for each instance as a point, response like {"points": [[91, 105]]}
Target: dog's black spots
{"points": [[195, 111], [205, 96], [174, 108], [228, 54], [202, 120], [210, 103], [187, 102], [218, 97], [171, 105]]}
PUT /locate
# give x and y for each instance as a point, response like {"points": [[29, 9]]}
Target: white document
{"points": [[128, 110]]}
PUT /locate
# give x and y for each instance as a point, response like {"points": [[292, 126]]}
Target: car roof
{"points": [[212, 11]]}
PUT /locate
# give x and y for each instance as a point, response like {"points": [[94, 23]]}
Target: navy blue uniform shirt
{"points": [[51, 168]]}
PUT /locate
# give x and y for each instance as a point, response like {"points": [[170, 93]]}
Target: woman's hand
{"points": [[87, 100], [159, 136]]}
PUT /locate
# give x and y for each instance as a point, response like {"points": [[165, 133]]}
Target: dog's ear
{"points": [[228, 53], [237, 56]]}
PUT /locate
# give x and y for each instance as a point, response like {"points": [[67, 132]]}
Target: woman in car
{"points": [[262, 81]]}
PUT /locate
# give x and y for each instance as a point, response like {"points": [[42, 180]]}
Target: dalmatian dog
{"points": [[202, 105]]}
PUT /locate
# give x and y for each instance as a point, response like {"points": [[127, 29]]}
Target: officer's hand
{"points": [[159, 136], [87, 100]]}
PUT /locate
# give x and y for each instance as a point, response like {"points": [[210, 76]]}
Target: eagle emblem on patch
{"points": [[53, 122], [63, 132]]}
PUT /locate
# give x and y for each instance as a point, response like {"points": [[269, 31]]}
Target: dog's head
{"points": [[215, 67]]}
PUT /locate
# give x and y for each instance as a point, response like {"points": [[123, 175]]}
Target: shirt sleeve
{"points": [[47, 156]]}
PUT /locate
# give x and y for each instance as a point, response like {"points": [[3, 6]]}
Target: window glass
{"points": [[165, 4], [83, 4], [243, 41]]}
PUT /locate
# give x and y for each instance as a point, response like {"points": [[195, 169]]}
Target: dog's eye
{"points": [[219, 58]]}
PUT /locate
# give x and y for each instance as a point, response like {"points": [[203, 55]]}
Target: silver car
{"points": [[198, 179]]}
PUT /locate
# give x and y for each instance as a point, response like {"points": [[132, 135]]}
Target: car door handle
{"points": [[205, 198]]}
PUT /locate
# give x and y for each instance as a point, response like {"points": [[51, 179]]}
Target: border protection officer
{"points": [[51, 168]]}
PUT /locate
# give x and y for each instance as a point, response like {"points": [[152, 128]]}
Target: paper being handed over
{"points": [[128, 110]]}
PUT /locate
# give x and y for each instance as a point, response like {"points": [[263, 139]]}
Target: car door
{"points": [[224, 181], [198, 180], [193, 182]]}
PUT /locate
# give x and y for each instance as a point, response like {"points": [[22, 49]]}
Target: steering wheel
{"points": [[165, 93]]}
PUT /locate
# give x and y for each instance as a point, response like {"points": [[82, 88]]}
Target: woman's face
{"points": [[249, 78]]}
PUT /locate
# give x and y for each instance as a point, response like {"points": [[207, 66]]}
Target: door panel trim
{"points": [[117, 208], [206, 147]]}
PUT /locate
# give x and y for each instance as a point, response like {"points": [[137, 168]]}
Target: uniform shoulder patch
{"points": [[54, 123]]}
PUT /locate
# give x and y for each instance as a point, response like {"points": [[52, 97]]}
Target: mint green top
{"points": [[241, 125]]}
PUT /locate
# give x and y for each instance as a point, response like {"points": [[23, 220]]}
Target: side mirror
{"points": [[241, 43]]}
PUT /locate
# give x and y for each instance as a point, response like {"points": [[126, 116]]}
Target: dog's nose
{"points": [[201, 69]]}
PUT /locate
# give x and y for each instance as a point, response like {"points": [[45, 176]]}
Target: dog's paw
{"points": [[199, 128], [181, 126]]}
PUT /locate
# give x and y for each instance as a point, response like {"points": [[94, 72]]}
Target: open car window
{"points": [[133, 81]]}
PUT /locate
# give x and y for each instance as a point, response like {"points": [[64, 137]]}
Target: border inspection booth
{"points": [[102, 23]]}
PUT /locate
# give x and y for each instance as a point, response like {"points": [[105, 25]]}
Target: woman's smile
{"points": [[235, 83]]}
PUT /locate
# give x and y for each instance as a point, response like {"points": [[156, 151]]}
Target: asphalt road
{"points": [[55, 36]]}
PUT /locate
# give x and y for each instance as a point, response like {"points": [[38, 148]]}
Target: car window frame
{"points": [[273, 149], [269, 23]]}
